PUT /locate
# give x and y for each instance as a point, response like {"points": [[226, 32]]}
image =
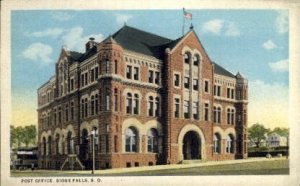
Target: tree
{"points": [[30, 135], [22, 135], [284, 132], [256, 133], [19, 135]]}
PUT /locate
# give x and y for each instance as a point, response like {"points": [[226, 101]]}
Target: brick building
{"points": [[145, 100]]}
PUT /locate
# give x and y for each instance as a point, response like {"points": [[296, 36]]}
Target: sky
{"points": [[252, 42]]}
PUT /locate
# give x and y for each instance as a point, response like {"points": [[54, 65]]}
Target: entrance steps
{"points": [[72, 162], [192, 161]]}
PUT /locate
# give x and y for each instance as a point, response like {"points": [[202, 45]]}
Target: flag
{"points": [[186, 14]]}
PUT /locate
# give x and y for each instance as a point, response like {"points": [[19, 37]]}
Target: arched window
{"points": [[152, 141], [157, 106], [217, 143], [116, 99], [196, 60], [59, 115], [229, 144], [49, 145], [92, 105], [67, 112], [96, 104], [129, 103], [150, 106], [85, 107], [136, 104], [215, 114], [57, 144], [228, 116], [72, 110], [70, 143], [232, 116], [131, 140], [82, 108], [219, 114], [44, 146], [107, 99], [187, 57]]}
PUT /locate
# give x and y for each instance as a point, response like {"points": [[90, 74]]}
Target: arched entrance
{"points": [[84, 145], [191, 146]]}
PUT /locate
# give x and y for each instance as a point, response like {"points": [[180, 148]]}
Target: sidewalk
{"points": [[175, 166]]}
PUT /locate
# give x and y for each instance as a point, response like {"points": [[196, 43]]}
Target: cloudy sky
{"points": [[252, 42]]}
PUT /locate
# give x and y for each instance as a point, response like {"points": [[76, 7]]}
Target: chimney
{"points": [[90, 44]]}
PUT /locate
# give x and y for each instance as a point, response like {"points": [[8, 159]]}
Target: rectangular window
{"points": [[72, 84], [107, 66], [96, 73], [215, 90], [92, 75], [176, 80], [219, 91], [156, 80], [186, 109], [232, 93], [59, 115], [82, 80], [177, 107], [136, 73], [228, 92], [107, 143], [206, 111], [151, 75], [156, 107], [128, 72], [72, 111], [107, 102], [186, 82], [206, 86], [116, 66], [67, 113], [195, 84], [85, 78], [195, 110], [116, 102]]}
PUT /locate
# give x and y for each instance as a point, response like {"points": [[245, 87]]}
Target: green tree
{"points": [[17, 135], [13, 139], [29, 135], [256, 133], [22, 135], [284, 132]]}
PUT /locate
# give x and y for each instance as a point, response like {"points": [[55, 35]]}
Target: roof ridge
{"points": [[150, 33]]}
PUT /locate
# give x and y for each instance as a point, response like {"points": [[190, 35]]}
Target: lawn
{"points": [[252, 168]]}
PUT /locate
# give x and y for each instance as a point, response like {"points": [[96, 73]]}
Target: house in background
{"points": [[275, 140]]}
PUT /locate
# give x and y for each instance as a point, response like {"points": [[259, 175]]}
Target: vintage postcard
{"points": [[151, 93]]}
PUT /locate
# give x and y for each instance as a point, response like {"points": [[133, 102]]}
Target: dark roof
{"points": [[141, 41], [222, 71], [75, 55]]}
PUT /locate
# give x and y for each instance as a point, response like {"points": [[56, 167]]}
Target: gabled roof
{"points": [[222, 71], [140, 41]]}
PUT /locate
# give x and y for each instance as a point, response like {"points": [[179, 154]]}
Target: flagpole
{"points": [[183, 22]]}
